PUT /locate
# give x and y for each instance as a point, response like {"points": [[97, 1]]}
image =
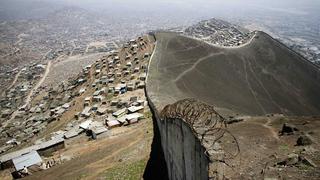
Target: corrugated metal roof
{"points": [[94, 124], [51, 142], [73, 132], [99, 130], [86, 110], [122, 119], [134, 115], [18, 153], [135, 108], [27, 150], [102, 109], [111, 118], [113, 123], [85, 124], [26, 160], [119, 112]]}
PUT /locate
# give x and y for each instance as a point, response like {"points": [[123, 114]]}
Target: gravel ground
{"points": [[69, 67]]}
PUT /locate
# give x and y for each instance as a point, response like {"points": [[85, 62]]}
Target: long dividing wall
{"points": [[187, 156], [184, 155], [254, 79]]}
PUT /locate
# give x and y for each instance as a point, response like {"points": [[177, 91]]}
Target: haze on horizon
{"points": [[18, 9], [286, 18]]}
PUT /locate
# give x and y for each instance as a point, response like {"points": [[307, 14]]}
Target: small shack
{"points": [[75, 131], [113, 123], [120, 112], [27, 160], [134, 118], [48, 147], [86, 112], [102, 110], [134, 109]]}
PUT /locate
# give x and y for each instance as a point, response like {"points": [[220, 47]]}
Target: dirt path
{"points": [[28, 99], [13, 82], [264, 88], [87, 49], [45, 55], [268, 126], [195, 65], [116, 45], [20, 39], [250, 87]]}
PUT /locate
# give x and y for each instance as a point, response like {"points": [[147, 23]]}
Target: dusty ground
{"points": [[262, 147], [255, 79], [122, 154], [67, 67], [78, 101]]}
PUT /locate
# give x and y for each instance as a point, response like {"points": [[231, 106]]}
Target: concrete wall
{"points": [[183, 153], [185, 157]]}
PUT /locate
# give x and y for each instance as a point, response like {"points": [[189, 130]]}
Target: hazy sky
{"points": [[198, 7], [195, 3], [171, 10], [293, 16]]}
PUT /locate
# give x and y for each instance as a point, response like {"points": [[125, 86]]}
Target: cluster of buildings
{"points": [[24, 80], [99, 47], [307, 50], [106, 95], [28, 120], [218, 32], [119, 73]]}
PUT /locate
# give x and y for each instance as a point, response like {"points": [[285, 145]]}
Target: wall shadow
{"points": [[156, 167]]}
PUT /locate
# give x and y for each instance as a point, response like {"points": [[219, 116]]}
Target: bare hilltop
{"points": [[260, 77], [254, 109]]}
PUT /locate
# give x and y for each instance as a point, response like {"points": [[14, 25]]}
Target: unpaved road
{"points": [[28, 99], [13, 82]]}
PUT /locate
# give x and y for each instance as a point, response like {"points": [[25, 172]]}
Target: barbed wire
{"points": [[206, 123]]}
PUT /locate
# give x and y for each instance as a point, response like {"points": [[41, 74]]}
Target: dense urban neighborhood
{"points": [[152, 91], [107, 94]]}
